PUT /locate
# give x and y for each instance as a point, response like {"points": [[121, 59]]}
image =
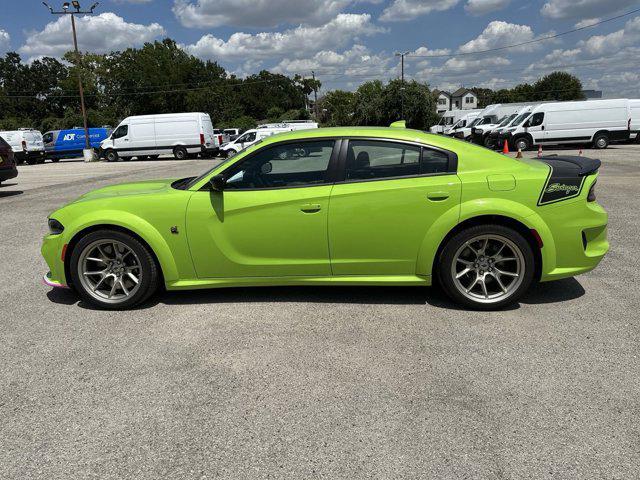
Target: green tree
{"points": [[559, 86], [336, 108]]}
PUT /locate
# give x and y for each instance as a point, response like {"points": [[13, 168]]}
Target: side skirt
{"points": [[382, 280]]}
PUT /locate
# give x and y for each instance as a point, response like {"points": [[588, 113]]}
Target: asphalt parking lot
{"points": [[316, 382]]}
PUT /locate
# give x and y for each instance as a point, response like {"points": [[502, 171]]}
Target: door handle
{"points": [[437, 196], [311, 207]]}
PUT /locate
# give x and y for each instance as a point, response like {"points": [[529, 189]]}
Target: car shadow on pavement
{"points": [[10, 193], [542, 293]]}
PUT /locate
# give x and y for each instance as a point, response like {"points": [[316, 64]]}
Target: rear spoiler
{"points": [[586, 166]]}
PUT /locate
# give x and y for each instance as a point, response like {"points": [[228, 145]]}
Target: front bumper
{"points": [[52, 248], [48, 281], [8, 173]]}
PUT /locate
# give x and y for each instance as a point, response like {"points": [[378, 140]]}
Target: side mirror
{"points": [[526, 124], [217, 183]]}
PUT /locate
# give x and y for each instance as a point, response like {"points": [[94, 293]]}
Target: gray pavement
{"points": [[316, 382]]}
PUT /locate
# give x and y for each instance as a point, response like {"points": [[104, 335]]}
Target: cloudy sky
{"points": [[347, 42]]}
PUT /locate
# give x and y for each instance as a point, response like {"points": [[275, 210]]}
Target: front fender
{"points": [[129, 221]]}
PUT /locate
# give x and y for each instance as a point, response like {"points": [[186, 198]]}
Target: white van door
{"points": [[535, 127]]}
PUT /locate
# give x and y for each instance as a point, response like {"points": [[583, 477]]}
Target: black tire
{"points": [[143, 158], [180, 153], [600, 141], [522, 143], [455, 243], [488, 142], [111, 156], [149, 279]]}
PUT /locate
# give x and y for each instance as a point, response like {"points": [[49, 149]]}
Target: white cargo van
{"points": [[144, 136], [634, 107], [27, 145], [248, 138], [457, 129], [502, 113], [290, 125], [494, 138], [449, 118], [598, 122]]}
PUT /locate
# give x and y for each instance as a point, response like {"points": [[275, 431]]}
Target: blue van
{"points": [[70, 143]]}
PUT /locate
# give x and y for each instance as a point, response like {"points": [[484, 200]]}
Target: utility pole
{"points": [[402, 55], [88, 153], [315, 95]]}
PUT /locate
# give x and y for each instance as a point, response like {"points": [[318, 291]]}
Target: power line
{"points": [[529, 42]]}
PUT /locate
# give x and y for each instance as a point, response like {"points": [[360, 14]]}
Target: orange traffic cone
{"points": [[505, 148], [539, 151], [519, 155]]}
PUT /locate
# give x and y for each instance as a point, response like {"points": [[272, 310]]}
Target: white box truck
{"points": [[595, 122], [145, 136]]}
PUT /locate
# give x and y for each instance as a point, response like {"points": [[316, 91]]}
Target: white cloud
{"points": [[586, 22], [257, 13], [605, 44], [481, 7], [583, 8], [357, 62], [499, 34], [5, 40], [299, 42], [100, 34], [403, 10]]}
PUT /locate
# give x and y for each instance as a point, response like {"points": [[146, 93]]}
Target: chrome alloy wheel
{"points": [[488, 268], [109, 271]]}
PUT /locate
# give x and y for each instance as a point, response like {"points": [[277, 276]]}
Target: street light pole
{"points": [[402, 55], [73, 13]]}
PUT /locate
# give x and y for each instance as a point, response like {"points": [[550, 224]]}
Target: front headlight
{"points": [[512, 129], [55, 227]]}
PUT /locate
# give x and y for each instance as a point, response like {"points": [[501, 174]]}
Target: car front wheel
{"points": [[113, 270], [486, 267]]}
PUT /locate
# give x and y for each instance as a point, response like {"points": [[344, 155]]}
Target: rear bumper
{"points": [[29, 155], [209, 150], [579, 231]]}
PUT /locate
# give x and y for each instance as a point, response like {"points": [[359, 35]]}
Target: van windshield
{"points": [[475, 122], [520, 119], [507, 120]]}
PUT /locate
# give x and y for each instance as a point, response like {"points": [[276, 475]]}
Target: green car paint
{"points": [[382, 232]]}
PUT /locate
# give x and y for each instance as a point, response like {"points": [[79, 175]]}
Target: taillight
{"points": [[629, 125], [592, 193], [24, 144], [220, 139], [202, 139]]}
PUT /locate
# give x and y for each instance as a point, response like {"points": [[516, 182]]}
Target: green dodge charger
{"points": [[337, 206]]}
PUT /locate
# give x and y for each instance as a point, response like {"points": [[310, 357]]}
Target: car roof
{"points": [[388, 133]]}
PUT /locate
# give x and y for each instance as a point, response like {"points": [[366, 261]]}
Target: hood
{"points": [[147, 187]]}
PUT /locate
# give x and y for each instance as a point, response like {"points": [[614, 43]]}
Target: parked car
{"points": [[291, 125], [8, 169], [337, 206], [149, 136], [70, 143], [598, 122], [27, 145], [250, 137]]}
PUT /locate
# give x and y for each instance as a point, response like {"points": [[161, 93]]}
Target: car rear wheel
{"points": [[113, 270], [180, 153], [486, 267]]}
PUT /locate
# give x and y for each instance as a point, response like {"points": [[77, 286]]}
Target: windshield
{"points": [[195, 180], [520, 119], [507, 120], [475, 122]]}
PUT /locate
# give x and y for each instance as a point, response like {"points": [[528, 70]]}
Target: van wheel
{"points": [[113, 270], [180, 153], [601, 141], [522, 143], [111, 156], [486, 267]]}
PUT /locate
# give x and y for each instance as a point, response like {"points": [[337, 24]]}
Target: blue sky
{"points": [[349, 41]]}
